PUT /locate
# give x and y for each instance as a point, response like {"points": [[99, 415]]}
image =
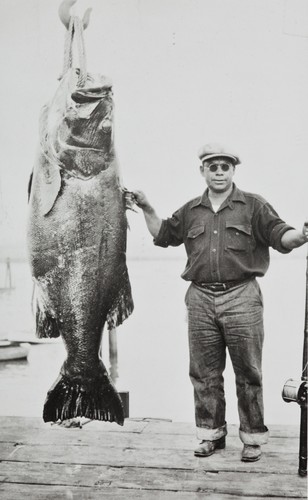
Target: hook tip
{"points": [[64, 13], [86, 18]]}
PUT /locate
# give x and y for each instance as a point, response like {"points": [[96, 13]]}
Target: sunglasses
{"points": [[214, 167]]}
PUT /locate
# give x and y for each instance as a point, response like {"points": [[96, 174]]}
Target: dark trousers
{"points": [[231, 319]]}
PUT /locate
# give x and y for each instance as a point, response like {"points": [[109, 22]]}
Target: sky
{"points": [[184, 72]]}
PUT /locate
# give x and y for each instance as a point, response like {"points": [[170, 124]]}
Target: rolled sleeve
{"points": [[276, 235], [162, 239], [171, 231], [271, 228]]}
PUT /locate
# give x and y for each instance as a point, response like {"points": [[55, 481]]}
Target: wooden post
{"points": [[8, 275], [113, 370], [113, 355]]}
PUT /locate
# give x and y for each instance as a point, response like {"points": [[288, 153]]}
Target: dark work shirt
{"points": [[231, 244]]}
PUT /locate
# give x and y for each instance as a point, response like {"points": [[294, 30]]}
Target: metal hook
{"points": [[64, 13]]}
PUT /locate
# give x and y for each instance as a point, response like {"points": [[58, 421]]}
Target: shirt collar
{"points": [[235, 195]]}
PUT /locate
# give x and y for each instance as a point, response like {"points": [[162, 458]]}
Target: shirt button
{"points": [[214, 250], [215, 232]]}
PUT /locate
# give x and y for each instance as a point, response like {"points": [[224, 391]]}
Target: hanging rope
{"points": [[75, 33], [68, 46], [78, 27]]}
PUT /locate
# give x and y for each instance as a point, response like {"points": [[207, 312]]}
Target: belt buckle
{"points": [[218, 287]]}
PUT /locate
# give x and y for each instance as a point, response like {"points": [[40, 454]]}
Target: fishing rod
{"points": [[296, 391]]}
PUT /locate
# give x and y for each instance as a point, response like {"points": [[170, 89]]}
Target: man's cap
{"points": [[214, 150]]}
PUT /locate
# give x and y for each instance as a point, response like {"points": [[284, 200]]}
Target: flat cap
{"points": [[213, 150]]}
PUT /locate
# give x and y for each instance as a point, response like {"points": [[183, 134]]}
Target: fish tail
{"points": [[96, 399]]}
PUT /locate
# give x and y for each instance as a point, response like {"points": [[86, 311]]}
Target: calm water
{"points": [[152, 344]]}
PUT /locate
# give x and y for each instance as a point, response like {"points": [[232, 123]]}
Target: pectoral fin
{"points": [[47, 172], [50, 185]]}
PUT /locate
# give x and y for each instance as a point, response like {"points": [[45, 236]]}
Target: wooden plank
{"points": [[46, 492], [162, 427], [98, 435], [222, 460], [147, 425], [225, 483], [77, 436], [15, 424]]}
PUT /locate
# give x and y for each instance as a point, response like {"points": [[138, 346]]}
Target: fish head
{"points": [[89, 116], [80, 125]]}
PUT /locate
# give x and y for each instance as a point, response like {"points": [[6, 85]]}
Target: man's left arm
{"points": [[293, 238]]}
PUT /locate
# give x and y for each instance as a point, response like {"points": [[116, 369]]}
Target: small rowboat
{"points": [[13, 350]]}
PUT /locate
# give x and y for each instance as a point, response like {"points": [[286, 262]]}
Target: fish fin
{"points": [[46, 325], [50, 185], [95, 398], [122, 306], [48, 174]]}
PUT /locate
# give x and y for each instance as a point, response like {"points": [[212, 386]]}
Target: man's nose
{"points": [[219, 170]]}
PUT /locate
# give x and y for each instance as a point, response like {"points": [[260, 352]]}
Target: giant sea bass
{"points": [[77, 244]]}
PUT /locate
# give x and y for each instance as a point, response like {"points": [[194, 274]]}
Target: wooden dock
{"points": [[146, 459]]}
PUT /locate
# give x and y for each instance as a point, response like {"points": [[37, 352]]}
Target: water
{"points": [[153, 346]]}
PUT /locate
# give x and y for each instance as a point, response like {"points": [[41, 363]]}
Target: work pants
{"points": [[230, 319]]}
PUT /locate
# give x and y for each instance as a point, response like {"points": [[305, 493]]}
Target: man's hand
{"points": [[305, 230], [136, 198], [141, 200], [294, 238], [152, 220]]}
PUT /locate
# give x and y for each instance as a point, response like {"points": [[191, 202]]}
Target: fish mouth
{"points": [[92, 94]]}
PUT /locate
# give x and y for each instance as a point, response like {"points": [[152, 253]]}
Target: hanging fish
{"points": [[77, 243]]}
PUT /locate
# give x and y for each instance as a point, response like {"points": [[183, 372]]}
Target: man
{"points": [[227, 234]]}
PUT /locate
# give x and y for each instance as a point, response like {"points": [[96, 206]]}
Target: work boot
{"points": [[251, 453], [207, 448]]}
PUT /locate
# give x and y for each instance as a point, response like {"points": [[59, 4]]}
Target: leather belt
{"points": [[221, 287]]}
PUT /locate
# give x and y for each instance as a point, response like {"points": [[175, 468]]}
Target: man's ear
{"points": [[201, 168]]}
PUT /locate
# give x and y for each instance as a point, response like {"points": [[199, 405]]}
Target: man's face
{"points": [[218, 173]]}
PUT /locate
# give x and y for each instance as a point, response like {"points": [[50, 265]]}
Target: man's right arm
{"points": [[152, 220]]}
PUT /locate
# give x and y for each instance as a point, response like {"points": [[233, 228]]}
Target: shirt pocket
{"points": [[195, 231], [238, 237], [195, 239]]}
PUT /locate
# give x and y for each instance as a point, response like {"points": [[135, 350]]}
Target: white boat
{"points": [[13, 350]]}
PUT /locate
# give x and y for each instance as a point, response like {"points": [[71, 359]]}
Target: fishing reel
{"points": [[296, 391]]}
